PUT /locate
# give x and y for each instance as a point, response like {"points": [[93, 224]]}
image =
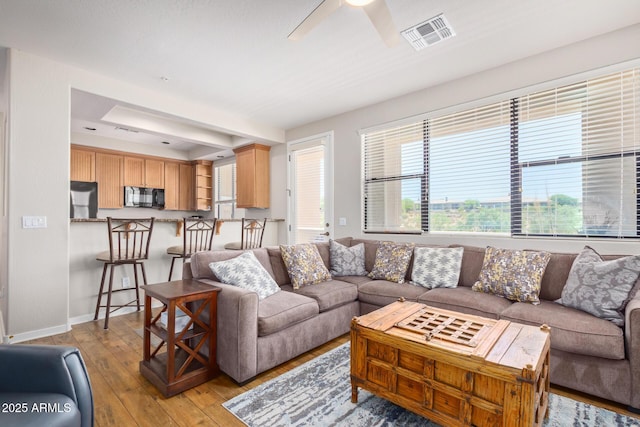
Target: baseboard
{"points": [[40, 333], [54, 330], [89, 317]]}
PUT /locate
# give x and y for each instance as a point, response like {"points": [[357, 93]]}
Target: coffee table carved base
{"points": [[455, 369]]}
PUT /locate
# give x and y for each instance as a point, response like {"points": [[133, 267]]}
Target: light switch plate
{"points": [[34, 222], [342, 221]]}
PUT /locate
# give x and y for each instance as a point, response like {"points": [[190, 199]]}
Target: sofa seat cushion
{"points": [[328, 295], [465, 300], [383, 292], [283, 309], [572, 330], [356, 280]]}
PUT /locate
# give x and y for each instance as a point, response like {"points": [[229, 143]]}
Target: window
{"points": [[395, 179], [561, 162], [225, 192]]}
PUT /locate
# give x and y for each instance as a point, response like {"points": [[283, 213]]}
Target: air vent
{"points": [[430, 32], [126, 129]]}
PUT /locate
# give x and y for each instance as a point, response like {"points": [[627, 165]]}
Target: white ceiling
{"points": [[234, 55]]}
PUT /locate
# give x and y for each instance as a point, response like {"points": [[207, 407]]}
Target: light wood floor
{"points": [[122, 397]]}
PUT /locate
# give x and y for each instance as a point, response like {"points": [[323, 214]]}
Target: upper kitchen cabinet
{"points": [[171, 185], [141, 172], [203, 184], [109, 178], [252, 179], [83, 165], [187, 192]]}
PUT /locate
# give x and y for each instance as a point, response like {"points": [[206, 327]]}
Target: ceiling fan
{"points": [[376, 10]]}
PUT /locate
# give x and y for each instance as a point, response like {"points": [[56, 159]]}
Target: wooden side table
{"points": [[181, 366]]}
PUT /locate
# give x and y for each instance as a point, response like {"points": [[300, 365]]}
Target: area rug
{"points": [[318, 393]]}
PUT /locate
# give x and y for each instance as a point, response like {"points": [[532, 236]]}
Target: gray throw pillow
{"points": [[600, 287], [245, 271], [346, 261], [436, 267]]}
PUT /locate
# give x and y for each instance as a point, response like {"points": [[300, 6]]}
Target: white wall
{"points": [[4, 108], [38, 260], [603, 51]]}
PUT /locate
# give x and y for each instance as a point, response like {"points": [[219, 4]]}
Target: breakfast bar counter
{"points": [[88, 237]]}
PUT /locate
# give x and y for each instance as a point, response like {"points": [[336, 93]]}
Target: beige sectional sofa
{"points": [[588, 354]]}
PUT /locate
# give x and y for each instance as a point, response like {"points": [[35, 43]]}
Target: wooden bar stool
{"points": [[197, 235], [128, 244], [251, 236]]}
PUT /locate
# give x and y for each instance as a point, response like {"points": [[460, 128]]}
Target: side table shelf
{"points": [[182, 365]]}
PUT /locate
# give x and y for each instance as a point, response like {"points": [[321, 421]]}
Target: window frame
{"points": [[516, 166]]}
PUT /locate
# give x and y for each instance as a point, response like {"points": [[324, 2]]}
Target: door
{"points": [[310, 189]]}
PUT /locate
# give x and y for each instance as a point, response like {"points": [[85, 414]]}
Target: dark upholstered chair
{"points": [[47, 385]]}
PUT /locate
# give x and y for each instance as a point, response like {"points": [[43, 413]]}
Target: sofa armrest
{"points": [[186, 271], [237, 332], [632, 341], [47, 369]]}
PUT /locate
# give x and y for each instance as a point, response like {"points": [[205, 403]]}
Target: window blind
{"points": [[469, 170], [559, 162], [577, 158], [309, 204], [394, 178]]}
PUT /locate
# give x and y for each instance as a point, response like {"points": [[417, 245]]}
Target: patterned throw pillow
{"points": [[245, 271], [346, 261], [600, 287], [392, 261], [304, 264], [512, 274], [436, 267]]}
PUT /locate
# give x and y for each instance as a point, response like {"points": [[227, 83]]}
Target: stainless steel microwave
{"points": [[140, 197]]}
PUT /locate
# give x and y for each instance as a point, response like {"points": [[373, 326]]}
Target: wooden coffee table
{"points": [[453, 368]]}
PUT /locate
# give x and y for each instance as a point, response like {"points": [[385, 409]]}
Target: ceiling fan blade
{"points": [[380, 17], [323, 10]]}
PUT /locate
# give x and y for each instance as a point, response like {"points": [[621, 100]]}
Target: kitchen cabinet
{"points": [[154, 173], [83, 165], [171, 185], [108, 171], [186, 192], [141, 172], [203, 184], [252, 176]]}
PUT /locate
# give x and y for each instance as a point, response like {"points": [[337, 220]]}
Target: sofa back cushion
{"points": [[370, 249], [200, 261], [555, 276], [279, 269], [472, 259]]}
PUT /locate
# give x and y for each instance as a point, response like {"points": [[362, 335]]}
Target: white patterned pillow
{"points": [[436, 267], [600, 287], [245, 271], [347, 261]]}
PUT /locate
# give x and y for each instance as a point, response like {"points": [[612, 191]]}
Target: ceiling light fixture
{"points": [[164, 78], [359, 3], [89, 128], [166, 142]]}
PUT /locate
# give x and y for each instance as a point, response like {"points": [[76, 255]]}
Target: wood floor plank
{"points": [[123, 397]]}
